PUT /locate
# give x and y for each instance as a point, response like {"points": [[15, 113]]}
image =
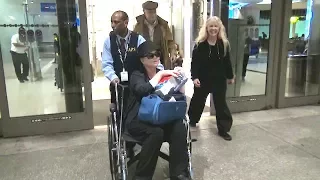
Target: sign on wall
{"points": [[48, 7]]}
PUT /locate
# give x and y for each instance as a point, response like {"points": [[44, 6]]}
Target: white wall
{"points": [[103, 10]]}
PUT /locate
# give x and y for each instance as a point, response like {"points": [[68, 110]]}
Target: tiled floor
{"points": [[281, 144]]}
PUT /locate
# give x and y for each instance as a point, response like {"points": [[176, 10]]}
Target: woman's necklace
{"points": [[212, 43], [212, 46]]}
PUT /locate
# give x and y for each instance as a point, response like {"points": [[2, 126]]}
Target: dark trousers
{"points": [[245, 64], [18, 60], [152, 138], [223, 115]]}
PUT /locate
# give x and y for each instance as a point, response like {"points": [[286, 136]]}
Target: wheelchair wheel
{"points": [[123, 160], [189, 146], [112, 153]]}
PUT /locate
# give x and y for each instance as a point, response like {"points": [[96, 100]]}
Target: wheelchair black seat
{"points": [[129, 138]]}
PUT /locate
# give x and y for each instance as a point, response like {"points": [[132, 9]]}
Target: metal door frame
{"points": [[283, 101], [52, 123], [3, 97], [267, 101]]}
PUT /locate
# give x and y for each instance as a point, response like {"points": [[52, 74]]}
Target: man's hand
{"points": [[115, 81], [231, 81], [196, 83]]}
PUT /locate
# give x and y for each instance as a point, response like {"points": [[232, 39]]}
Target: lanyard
{"points": [[123, 58]]}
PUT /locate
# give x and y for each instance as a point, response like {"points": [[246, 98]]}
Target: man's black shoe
{"points": [[181, 177], [130, 152], [193, 124], [25, 79], [225, 136], [21, 81]]}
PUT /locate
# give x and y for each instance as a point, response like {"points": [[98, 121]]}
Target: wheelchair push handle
{"points": [[119, 91], [113, 108]]}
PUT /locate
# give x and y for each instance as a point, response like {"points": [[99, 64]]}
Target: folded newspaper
{"points": [[170, 85]]}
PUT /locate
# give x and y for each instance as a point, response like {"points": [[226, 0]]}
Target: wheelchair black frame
{"points": [[117, 146]]}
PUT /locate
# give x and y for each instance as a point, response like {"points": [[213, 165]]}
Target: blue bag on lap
{"points": [[154, 110]]}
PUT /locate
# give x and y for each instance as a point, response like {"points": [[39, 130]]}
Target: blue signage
{"points": [[78, 21], [48, 7]]}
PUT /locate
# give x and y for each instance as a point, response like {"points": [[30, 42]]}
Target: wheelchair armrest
{"points": [[113, 108], [123, 87]]}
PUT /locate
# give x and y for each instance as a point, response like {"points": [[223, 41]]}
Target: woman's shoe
{"points": [[225, 136]]}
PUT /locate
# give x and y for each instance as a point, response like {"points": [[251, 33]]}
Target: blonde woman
{"points": [[211, 70]]}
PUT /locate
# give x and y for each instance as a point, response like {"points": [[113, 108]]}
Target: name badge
{"points": [[124, 76]]}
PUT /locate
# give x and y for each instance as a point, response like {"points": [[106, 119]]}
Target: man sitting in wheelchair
{"points": [[152, 135]]}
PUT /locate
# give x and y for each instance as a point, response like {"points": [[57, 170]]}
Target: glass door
{"points": [[46, 80], [252, 32], [300, 65], [3, 100]]}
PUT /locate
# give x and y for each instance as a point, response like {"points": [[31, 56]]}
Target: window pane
{"points": [[302, 78], [249, 35], [41, 63]]}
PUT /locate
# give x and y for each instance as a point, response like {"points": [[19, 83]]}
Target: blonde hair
{"points": [[203, 33]]}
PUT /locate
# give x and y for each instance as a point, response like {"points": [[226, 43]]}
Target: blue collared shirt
{"points": [[107, 60]]}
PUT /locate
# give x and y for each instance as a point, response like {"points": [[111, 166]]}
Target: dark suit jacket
{"points": [[139, 87]]}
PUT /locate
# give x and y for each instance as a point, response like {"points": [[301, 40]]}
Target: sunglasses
{"points": [[153, 54]]}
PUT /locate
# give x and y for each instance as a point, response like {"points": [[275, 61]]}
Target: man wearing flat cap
{"points": [[153, 28]]}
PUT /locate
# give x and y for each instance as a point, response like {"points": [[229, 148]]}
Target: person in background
{"points": [[56, 44], [211, 70], [20, 57], [246, 55], [153, 28], [179, 59], [264, 36]]}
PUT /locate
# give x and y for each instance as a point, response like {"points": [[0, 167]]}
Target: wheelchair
{"points": [[118, 137]]}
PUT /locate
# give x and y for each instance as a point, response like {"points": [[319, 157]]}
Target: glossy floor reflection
{"points": [[276, 144], [35, 98]]}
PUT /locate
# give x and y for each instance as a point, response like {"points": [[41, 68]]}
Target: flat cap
{"points": [[149, 5]]}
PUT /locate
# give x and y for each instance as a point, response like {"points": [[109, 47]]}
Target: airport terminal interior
{"points": [[275, 144], [49, 99]]}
